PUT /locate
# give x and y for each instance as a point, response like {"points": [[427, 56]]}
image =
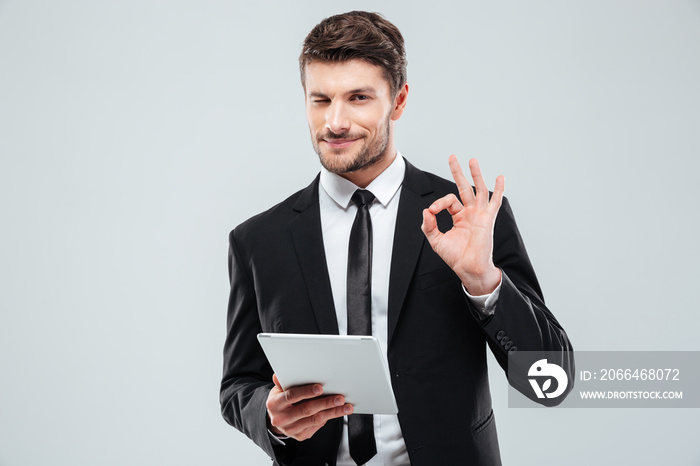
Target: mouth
{"points": [[339, 143]]}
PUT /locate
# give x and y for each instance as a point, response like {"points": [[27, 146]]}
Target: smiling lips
{"points": [[339, 143]]}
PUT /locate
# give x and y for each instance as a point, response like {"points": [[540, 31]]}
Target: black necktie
{"points": [[360, 426]]}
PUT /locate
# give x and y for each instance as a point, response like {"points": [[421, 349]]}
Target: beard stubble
{"points": [[368, 156]]}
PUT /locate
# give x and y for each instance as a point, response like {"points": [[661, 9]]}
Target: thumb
{"points": [[277, 382], [429, 227]]}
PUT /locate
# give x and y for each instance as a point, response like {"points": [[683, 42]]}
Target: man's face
{"points": [[350, 110]]}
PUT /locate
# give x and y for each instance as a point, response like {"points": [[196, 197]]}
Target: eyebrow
{"points": [[363, 90], [359, 90]]}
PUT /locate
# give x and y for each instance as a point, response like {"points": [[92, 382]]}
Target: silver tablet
{"points": [[352, 366]]}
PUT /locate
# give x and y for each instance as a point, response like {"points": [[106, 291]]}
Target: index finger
{"points": [[304, 392], [465, 189]]}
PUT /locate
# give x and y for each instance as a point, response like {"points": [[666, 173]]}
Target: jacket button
{"points": [[500, 335], [513, 349], [508, 345], [504, 340]]}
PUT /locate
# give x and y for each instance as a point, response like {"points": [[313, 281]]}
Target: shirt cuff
{"points": [[485, 304]]}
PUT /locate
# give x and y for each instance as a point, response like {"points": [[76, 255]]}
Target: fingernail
{"points": [[347, 409], [338, 401], [317, 390]]}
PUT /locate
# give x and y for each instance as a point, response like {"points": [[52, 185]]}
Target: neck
{"points": [[362, 178]]}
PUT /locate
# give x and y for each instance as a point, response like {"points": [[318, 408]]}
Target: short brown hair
{"points": [[357, 35]]}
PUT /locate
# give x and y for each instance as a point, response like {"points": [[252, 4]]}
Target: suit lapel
{"points": [[408, 239], [307, 236]]}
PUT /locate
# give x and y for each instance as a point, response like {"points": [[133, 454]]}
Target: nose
{"points": [[337, 120]]}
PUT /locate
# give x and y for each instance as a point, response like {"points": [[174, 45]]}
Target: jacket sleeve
{"points": [[522, 321], [247, 376]]}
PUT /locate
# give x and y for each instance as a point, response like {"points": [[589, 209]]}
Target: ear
{"points": [[400, 103]]}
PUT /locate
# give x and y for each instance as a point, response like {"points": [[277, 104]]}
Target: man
{"points": [[366, 246]]}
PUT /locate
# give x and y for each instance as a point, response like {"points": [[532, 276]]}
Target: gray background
{"points": [[135, 134]]}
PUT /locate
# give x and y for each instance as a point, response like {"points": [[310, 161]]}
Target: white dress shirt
{"points": [[337, 216]]}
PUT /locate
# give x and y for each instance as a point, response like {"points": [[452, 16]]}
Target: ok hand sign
{"points": [[468, 246]]}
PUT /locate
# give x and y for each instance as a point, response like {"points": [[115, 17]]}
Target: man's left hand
{"points": [[468, 246]]}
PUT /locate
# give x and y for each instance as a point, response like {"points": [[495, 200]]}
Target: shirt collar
{"points": [[384, 186]]}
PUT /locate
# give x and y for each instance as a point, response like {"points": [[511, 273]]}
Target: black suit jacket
{"points": [[436, 341]]}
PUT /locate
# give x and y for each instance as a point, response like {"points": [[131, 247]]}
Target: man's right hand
{"points": [[300, 411]]}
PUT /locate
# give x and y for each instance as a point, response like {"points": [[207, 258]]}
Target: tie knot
{"points": [[362, 197]]}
